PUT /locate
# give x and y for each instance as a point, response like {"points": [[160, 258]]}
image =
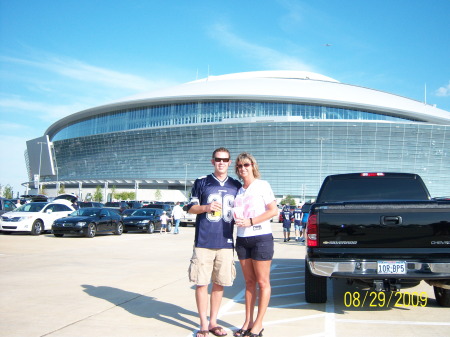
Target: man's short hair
{"points": [[220, 149]]}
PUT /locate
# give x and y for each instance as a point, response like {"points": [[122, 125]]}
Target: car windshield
{"points": [[144, 212], [86, 212], [31, 207]]}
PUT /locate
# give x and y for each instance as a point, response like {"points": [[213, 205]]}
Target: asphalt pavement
{"points": [[136, 284]]}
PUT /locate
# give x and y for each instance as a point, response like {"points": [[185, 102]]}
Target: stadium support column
{"points": [[80, 187], [136, 187], [105, 192]]}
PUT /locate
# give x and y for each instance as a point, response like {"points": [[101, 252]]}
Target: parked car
{"points": [[128, 212], [88, 222], [120, 205], [188, 219], [6, 205], [85, 204], [145, 220], [35, 217], [134, 204], [165, 207]]}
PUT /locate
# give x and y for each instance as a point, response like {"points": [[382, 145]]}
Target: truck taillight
{"points": [[372, 174], [312, 236]]}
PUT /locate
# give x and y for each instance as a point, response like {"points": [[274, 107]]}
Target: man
{"points": [[287, 219], [212, 200], [177, 213], [297, 223]]}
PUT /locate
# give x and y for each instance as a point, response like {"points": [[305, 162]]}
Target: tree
{"points": [[62, 189], [98, 195], [113, 192], [8, 192], [288, 200], [158, 195]]}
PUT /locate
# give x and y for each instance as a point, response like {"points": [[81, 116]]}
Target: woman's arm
{"points": [[271, 211]]}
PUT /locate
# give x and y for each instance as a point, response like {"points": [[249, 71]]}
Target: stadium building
{"points": [[300, 126]]}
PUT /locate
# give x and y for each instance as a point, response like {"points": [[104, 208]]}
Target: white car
{"points": [[188, 219], [35, 217]]}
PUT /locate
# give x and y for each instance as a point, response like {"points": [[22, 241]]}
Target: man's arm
{"points": [[198, 209]]}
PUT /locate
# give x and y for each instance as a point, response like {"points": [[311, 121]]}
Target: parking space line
{"points": [[361, 321], [330, 317]]}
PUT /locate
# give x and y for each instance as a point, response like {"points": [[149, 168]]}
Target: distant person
{"points": [[164, 220], [254, 206], [18, 204], [287, 215], [177, 213], [212, 198], [298, 223], [75, 204]]}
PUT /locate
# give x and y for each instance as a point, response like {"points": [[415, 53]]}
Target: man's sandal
{"points": [[216, 331]]}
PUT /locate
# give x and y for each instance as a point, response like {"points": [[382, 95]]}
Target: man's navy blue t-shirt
{"points": [[214, 231]]}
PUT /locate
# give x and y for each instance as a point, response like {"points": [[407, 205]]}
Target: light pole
{"points": [[185, 178], [40, 161]]}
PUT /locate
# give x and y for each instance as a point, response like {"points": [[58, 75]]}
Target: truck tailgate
{"points": [[383, 225]]}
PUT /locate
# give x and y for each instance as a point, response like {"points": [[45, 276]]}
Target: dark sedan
{"points": [[88, 222], [145, 220]]}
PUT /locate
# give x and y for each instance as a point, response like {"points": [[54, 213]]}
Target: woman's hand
{"points": [[241, 222]]}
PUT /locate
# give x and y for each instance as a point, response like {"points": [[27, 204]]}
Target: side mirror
{"points": [[49, 211]]}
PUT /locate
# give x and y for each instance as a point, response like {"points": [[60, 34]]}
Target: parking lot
{"points": [[136, 285]]}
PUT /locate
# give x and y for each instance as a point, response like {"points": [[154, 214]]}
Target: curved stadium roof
{"points": [[286, 86]]}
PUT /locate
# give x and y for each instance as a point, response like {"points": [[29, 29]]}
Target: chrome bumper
{"points": [[368, 269]]}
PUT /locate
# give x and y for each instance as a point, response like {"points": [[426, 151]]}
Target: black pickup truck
{"points": [[381, 230]]}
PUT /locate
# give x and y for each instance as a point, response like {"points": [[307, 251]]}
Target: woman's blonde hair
{"points": [[245, 156]]}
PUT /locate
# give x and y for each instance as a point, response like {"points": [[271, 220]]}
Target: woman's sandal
{"points": [[241, 333], [255, 334]]}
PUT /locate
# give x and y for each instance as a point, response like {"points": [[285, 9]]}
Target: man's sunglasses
{"points": [[218, 160], [243, 165]]}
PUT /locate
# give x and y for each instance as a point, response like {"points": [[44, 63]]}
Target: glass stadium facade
{"points": [[164, 143]]}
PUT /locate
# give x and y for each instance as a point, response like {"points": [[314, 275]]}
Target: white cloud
{"points": [[265, 56], [43, 111], [84, 72], [444, 91]]}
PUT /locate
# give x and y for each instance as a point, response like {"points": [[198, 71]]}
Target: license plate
{"points": [[391, 267]]}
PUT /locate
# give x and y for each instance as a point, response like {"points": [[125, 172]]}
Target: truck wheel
{"points": [[37, 227], [442, 296], [315, 287]]}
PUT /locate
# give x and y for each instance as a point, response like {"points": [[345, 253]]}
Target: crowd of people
{"points": [[222, 203]]}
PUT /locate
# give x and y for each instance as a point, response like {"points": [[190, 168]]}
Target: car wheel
{"points": [[151, 228], [90, 230], [119, 229], [315, 287], [442, 296], [59, 235], [37, 227]]}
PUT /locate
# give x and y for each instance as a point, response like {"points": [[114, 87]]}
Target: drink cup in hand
{"points": [[238, 212]]}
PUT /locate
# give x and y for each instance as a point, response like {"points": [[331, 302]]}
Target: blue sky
{"points": [[60, 57]]}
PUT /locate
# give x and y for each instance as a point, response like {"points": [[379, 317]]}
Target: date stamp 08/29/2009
{"points": [[381, 299]]}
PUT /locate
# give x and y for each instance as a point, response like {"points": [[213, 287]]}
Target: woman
{"points": [[255, 205]]}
